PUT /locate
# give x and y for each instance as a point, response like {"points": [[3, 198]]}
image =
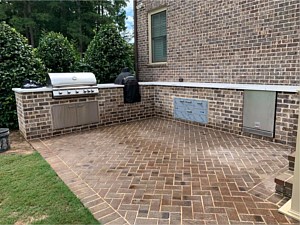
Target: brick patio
{"points": [[160, 171]]}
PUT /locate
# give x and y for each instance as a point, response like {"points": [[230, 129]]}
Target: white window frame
{"points": [[150, 35]]}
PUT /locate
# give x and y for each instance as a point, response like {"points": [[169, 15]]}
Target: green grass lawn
{"points": [[31, 192]]}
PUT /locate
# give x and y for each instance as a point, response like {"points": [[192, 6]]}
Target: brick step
{"points": [[291, 159], [284, 183]]}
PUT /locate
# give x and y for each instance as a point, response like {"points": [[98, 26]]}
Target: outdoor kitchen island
{"points": [[225, 105], [35, 110]]}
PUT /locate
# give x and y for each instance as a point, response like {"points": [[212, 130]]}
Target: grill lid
{"points": [[60, 80]]}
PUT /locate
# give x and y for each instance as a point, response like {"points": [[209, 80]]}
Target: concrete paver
{"points": [[160, 171]]}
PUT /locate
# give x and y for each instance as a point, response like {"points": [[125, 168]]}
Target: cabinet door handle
{"points": [[188, 101], [181, 100], [189, 111], [199, 103]]}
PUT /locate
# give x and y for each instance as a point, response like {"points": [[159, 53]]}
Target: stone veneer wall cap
{"points": [[256, 87]]}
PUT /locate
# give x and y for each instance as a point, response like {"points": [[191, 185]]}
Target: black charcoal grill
{"points": [[72, 84]]}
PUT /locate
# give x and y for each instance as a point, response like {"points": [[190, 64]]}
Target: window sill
{"points": [[162, 64]]}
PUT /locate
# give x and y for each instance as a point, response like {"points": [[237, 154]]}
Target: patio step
{"points": [[291, 159], [284, 181]]}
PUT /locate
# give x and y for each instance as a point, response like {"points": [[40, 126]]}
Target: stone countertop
{"points": [[256, 87], [109, 86], [32, 90], [46, 89]]}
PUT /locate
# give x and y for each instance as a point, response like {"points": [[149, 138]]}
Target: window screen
{"points": [[159, 37]]}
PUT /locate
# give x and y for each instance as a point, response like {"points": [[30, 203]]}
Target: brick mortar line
{"points": [[88, 197], [84, 182], [102, 210], [181, 212]]}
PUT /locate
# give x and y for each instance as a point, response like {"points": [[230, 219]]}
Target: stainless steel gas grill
{"points": [[72, 84]]}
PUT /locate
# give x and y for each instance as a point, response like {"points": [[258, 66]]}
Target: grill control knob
{"points": [[92, 91], [84, 91], [60, 92], [69, 92], [77, 92], [89, 91]]}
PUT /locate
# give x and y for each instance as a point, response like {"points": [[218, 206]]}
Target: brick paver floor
{"points": [[158, 171]]}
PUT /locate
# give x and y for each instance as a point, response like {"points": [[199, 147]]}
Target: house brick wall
{"points": [[242, 41]]}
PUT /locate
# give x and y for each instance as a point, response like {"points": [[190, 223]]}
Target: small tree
{"points": [[56, 52], [17, 63], [108, 53]]}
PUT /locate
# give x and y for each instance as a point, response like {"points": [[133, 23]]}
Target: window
{"points": [[158, 36]]}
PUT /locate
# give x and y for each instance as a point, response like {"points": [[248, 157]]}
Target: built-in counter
{"points": [[225, 107], [256, 87], [49, 89]]}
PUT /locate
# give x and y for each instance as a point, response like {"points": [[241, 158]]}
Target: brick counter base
{"points": [[225, 110], [35, 119]]}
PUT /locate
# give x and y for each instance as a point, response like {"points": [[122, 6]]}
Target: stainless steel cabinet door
{"points": [[64, 116], [87, 113], [71, 115], [259, 112]]}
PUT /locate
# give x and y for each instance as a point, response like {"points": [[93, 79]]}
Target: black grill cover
{"points": [[131, 90], [125, 73]]}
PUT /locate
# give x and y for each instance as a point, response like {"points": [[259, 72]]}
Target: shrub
{"points": [[81, 66], [17, 63], [56, 52], [108, 53]]}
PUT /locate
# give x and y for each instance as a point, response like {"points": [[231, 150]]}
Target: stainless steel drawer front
{"points": [[195, 110]]}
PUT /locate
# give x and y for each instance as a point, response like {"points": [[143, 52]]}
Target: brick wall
{"points": [[287, 114], [242, 41], [225, 110], [225, 106], [34, 114], [113, 110], [20, 101], [35, 119]]}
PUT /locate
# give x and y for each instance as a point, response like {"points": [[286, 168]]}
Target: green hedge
{"points": [[17, 62], [56, 52], [108, 53]]}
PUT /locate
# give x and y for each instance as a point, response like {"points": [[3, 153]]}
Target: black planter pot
{"points": [[4, 141]]}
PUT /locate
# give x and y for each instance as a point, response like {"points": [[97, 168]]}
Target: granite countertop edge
{"points": [[254, 87]]}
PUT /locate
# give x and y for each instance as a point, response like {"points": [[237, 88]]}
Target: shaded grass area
{"points": [[31, 192]]}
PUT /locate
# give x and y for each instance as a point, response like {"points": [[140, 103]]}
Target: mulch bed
{"points": [[18, 144]]}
